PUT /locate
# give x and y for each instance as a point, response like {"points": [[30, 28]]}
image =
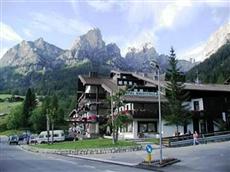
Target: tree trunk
{"points": [[52, 136], [177, 132], [116, 137], [48, 127]]}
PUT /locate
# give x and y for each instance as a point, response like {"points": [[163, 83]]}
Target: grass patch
{"points": [[86, 144], [153, 140], [11, 132], [4, 96], [5, 107]]}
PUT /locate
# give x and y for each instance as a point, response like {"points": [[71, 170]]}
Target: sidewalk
{"points": [[207, 157]]}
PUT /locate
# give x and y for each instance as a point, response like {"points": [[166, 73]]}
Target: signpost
{"points": [[149, 150]]}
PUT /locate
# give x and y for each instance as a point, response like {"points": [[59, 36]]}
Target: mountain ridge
{"points": [[41, 55]]}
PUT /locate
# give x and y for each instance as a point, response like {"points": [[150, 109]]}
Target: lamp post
{"points": [[154, 64], [113, 134]]}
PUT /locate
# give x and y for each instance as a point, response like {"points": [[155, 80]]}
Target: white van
{"points": [[58, 136]]}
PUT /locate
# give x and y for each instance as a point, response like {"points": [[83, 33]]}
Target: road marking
{"points": [[88, 166]]}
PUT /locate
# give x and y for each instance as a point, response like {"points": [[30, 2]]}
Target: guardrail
{"points": [[185, 140]]}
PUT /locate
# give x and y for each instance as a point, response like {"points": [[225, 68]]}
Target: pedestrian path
{"points": [[193, 158]]}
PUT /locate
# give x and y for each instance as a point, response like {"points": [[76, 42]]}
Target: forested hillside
{"points": [[215, 69]]}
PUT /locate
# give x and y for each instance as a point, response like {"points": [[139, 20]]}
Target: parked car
{"points": [[58, 136], [33, 139], [24, 138], [69, 137], [13, 139]]}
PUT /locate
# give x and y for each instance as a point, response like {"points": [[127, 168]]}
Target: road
{"points": [[14, 159]]}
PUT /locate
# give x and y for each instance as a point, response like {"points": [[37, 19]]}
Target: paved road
{"points": [[13, 159], [212, 157]]}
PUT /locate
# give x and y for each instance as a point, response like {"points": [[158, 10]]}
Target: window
{"points": [[56, 135], [125, 82], [142, 128], [146, 126], [196, 106], [120, 83], [151, 127], [130, 83]]}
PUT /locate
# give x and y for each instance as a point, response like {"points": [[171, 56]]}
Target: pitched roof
{"points": [[190, 86], [207, 87], [106, 83]]}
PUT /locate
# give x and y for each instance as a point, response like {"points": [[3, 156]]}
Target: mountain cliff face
{"points": [[91, 46], [211, 46], [39, 55], [32, 56], [217, 40]]}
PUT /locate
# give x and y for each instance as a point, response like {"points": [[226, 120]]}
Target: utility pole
{"points": [[113, 134], [155, 65], [47, 126]]}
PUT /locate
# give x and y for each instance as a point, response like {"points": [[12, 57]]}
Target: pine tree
{"points": [[28, 106], [175, 111]]}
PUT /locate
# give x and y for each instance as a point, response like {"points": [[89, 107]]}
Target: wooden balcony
{"points": [[144, 114]]}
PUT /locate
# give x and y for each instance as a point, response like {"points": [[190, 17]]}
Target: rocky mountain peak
{"points": [[39, 41], [217, 39], [91, 40]]}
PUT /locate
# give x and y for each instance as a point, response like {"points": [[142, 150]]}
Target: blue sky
{"points": [[184, 24]]}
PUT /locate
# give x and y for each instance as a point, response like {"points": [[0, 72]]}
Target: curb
{"points": [[103, 160]]}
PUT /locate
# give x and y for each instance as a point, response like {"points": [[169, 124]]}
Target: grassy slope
{"points": [[6, 106], [11, 132], [86, 144]]}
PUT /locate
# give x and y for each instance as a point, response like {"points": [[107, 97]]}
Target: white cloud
{"points": [[3, 50], [102, 5], [171, 13], [55, 22], [195, 52], [28, 33], [8, 33]]}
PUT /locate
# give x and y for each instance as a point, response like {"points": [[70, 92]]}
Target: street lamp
{"points": [[154, 64], [113, 134]]}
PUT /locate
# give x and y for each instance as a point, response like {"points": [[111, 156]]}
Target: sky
{"points": [[184, 24]]}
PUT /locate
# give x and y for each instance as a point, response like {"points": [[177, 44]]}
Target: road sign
{"points": [[149, 148]]}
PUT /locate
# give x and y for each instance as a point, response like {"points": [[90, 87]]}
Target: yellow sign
{"points": [[149, 158]]}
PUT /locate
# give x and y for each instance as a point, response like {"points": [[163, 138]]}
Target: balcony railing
{"points": [[143, 114], [136, 93], [93, 96]]}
